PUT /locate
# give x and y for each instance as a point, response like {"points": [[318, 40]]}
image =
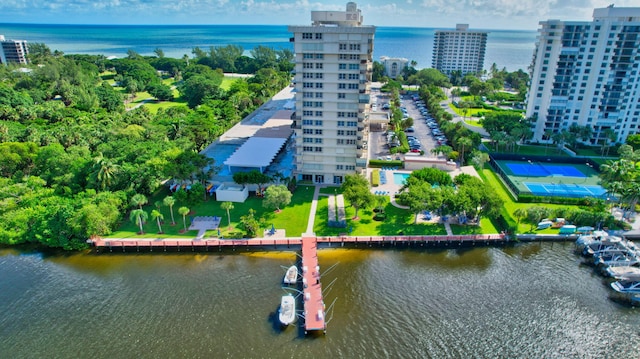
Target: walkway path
{"points": [[314, 207], [447, 227]]}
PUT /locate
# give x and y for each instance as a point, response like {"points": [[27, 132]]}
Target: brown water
{"points": [[528, 301]]}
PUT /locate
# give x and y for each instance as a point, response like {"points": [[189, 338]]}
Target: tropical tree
{"points": [[520, 213], [183, 211], [105, 171], [169, 201], [463, 142], [158, 217], [139, 216], [139, 200], [356, 190], [227, 206], [277, 196]]}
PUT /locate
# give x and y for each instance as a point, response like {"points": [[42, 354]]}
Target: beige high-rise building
{"points": [[586, 73], [13, 51], [333, 75], [459, 50]]}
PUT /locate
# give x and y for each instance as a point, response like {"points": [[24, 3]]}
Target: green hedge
{"points": [[375, 178], [384, 163], [530, 198]]}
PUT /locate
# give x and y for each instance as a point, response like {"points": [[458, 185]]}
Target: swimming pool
{"points": [[400, 178]]}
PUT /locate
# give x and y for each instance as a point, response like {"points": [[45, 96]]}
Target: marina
{"points": [[616, 258]]}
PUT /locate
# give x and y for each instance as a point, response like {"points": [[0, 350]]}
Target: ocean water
{"points": [[512, 49]]}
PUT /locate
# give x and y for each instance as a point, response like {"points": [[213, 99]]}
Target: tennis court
{"points": [[565, 190], [551, 179], [537, 169]]}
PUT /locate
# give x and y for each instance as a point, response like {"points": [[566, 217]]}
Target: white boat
{"points": [[590, 242], [617, 260], [287, 311], [626, 286], [623, 272], [291, 277]]}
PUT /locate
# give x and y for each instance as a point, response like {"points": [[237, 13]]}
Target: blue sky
{"points": [[487, 14]]}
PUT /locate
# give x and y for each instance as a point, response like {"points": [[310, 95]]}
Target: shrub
{"points": [[384, 163], [375, 178]]}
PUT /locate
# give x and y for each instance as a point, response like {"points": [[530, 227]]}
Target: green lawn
{"points": [[472, 112], [399, 221], [473, 122], [226, 82], [293, 218], [486, 227]]}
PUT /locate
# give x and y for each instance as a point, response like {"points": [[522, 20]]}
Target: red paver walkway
{"points": [[314, 315]]}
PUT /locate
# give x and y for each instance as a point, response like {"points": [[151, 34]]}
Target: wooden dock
{"points": [[214, 244], [314, 309]]}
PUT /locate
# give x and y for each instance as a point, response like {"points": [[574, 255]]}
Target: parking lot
{"points": [[422, 134]]}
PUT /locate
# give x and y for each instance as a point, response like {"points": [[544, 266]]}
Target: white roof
{"points": [[256, 152]]}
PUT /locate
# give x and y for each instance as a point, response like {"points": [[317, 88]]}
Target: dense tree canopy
{"points": [[71, 157]]}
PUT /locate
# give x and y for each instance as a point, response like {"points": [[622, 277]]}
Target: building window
{"points": [[353, 86], [317, 149], [342, 95], [352, 124], [319, 65], [318, 36], [342, 66], [307, 65], [342, 47], [340, 132], [342, 86], [354, 67], [340, 141], [307, 35], [307, 122], [318, 122], [319, 56], [350, 168], [339, 167], [307, 113], [318, 140], [319, 75], [341, 114], [342, 76], [341, 123], [318, 132], [307, 149], [307, 140], [319, 114], [319, 85], [307, 131]]}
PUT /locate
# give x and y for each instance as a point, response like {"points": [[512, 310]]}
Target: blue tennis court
{"points": [[565, 190], [537, 169]]}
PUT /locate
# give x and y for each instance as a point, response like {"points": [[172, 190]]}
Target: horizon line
{"points": [[275, 25]]}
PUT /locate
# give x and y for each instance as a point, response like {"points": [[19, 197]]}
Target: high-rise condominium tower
{"points": [[333, 75], [13, 51], [459, 50], [586, 73]]}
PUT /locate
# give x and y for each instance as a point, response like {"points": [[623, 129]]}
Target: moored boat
{"points": [[623, 272], [291, 277], [287, 311]]}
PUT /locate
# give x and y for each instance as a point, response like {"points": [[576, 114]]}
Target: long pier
{"points": [[314, 309], [213, 244]]}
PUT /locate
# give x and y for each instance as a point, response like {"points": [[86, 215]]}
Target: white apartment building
{"points": [[14, 51], [459, 50], [586, 73], [393, 66], [332, 78]]}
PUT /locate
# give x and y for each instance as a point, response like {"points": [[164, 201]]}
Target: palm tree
{"points": [[183, 212], [138, 216], [155, 214], [139, 200], [169, 201], [227, 206], [105, 171], [520, 213], [464, 142]]}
